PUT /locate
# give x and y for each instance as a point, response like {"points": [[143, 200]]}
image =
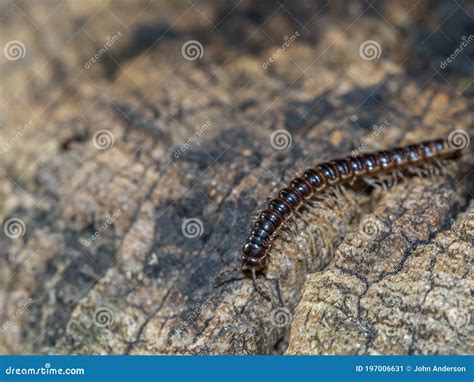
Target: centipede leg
{"points": [[343, 192], [436, 169], [416, 171], [339, 196], [348, 199], [322, 201], [291, 232], [287, 236], [443, 166], [429, 170], [433, 170], [386, 181], [313, 204], [425, 173], [391, 181], [371, 182], [381, 181], [331, 199], [297, 214], [400, 176], [291, 228], [311, 240], [254, 217], [394, 179]]}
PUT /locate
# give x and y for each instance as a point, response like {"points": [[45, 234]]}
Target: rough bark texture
{"points": [[104, 264], [410, 298]]}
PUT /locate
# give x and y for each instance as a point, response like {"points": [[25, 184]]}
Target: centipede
{"points": [[326, 175]]}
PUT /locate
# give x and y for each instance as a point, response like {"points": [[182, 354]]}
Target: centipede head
{"points": [[254, 263]]}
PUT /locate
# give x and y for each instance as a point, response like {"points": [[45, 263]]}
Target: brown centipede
{"points": [[255, 252]]}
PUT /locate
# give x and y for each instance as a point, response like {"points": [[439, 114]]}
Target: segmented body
{"points": [[329, 174]]}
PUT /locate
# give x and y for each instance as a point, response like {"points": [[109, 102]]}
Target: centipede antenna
{"points": [[258, 288], [226, 272]]}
